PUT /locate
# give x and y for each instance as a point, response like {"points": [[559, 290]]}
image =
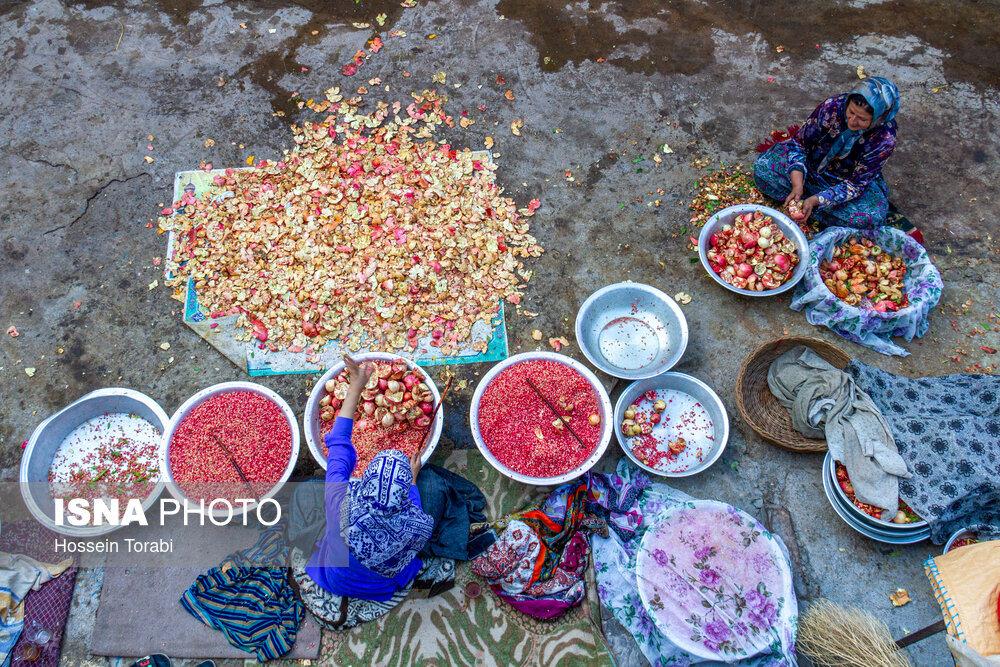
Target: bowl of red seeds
{"points": [[960, 538], [530, 434], [394, 411], [242, 420], [104, 445], [672, 425]]}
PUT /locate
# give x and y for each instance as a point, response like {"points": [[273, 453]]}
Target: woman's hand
{"points": [[808, 206], [796, 193], [415, 463], [360, 373]]}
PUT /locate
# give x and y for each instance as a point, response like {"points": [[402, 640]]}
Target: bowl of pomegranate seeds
{"points": [[528, 412], [631, 330], [672, 425], [104, 445], [960, 538], [228, 443], [394, 411], [753, 250]]}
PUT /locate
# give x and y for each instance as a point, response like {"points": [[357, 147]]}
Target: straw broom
{"points": [[835, 636]]}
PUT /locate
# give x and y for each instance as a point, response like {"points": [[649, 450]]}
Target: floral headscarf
{"points": [[386, 529], [883, 96]]}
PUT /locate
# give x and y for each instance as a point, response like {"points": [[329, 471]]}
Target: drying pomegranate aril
{"points": [[518, 427], [254, 429]]}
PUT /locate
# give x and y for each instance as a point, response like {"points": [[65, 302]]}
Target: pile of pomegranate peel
{"points": [[367, 233], [722, 188], [862, 274], [752, 253]]}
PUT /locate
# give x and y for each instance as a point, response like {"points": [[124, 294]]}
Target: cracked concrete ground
{"points": [[87, 82]]}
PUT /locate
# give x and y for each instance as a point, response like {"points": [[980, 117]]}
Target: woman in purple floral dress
{"points": [[834, 162]]}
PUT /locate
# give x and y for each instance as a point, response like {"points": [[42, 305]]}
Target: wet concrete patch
{"points": [[677, 36]]}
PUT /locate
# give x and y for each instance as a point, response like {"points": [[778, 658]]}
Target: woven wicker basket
{"points": [[757, 405]]}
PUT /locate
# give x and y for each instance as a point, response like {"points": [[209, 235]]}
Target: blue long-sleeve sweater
{"points": [[326, 566]]}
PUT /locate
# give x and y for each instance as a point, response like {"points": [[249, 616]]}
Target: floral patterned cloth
{"points": [[861, 325], [539, 561], [615, 567], [947, 429]]}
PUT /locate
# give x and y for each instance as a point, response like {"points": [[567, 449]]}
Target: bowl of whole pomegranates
{"points": [[753, 250]]}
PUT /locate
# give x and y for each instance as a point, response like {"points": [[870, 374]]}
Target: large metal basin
{"points": [[45, 441], [631, 330], [605, 407], [310, 418], [188, 406], [787, 226], [697, 390]]}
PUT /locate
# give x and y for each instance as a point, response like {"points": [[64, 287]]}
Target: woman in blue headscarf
{"points": [[833, 164], [375, 527]]}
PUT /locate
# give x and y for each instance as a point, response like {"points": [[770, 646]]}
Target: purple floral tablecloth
{"points": [[730, 577]]}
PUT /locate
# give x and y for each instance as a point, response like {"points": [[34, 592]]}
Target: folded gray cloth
{"points": [[825, 403]]}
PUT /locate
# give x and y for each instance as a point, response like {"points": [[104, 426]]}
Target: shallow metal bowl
{"points": [[784, 223], [605, 408], [45, 441], [957, 535], [631, 330], [693, 387], [830, 470], [842, 509], [310, 418], [188, 406]]}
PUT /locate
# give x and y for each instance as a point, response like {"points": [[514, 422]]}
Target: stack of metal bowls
{"points": [[872, 528]]}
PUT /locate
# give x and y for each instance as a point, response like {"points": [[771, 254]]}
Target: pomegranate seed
{"points": [[517, 426], [254, 429]]}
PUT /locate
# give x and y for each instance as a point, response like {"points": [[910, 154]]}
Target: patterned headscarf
{"points": [[883, 96], [386, 529]]}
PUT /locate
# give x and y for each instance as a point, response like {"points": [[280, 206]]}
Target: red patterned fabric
{"points": [[50, 604]]}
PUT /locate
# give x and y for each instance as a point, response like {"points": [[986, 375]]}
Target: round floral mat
{"points": [[714, 580]]}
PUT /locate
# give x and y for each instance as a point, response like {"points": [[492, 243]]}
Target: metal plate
{"points": [[190, 404], [632, 331], [784, 223], [830, 470], [688, 462], [603, 399], [310, 418], [869, 531], [47, 436]]}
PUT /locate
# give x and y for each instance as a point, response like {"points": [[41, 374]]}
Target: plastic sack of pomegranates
{"points": [[869, 285]]}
